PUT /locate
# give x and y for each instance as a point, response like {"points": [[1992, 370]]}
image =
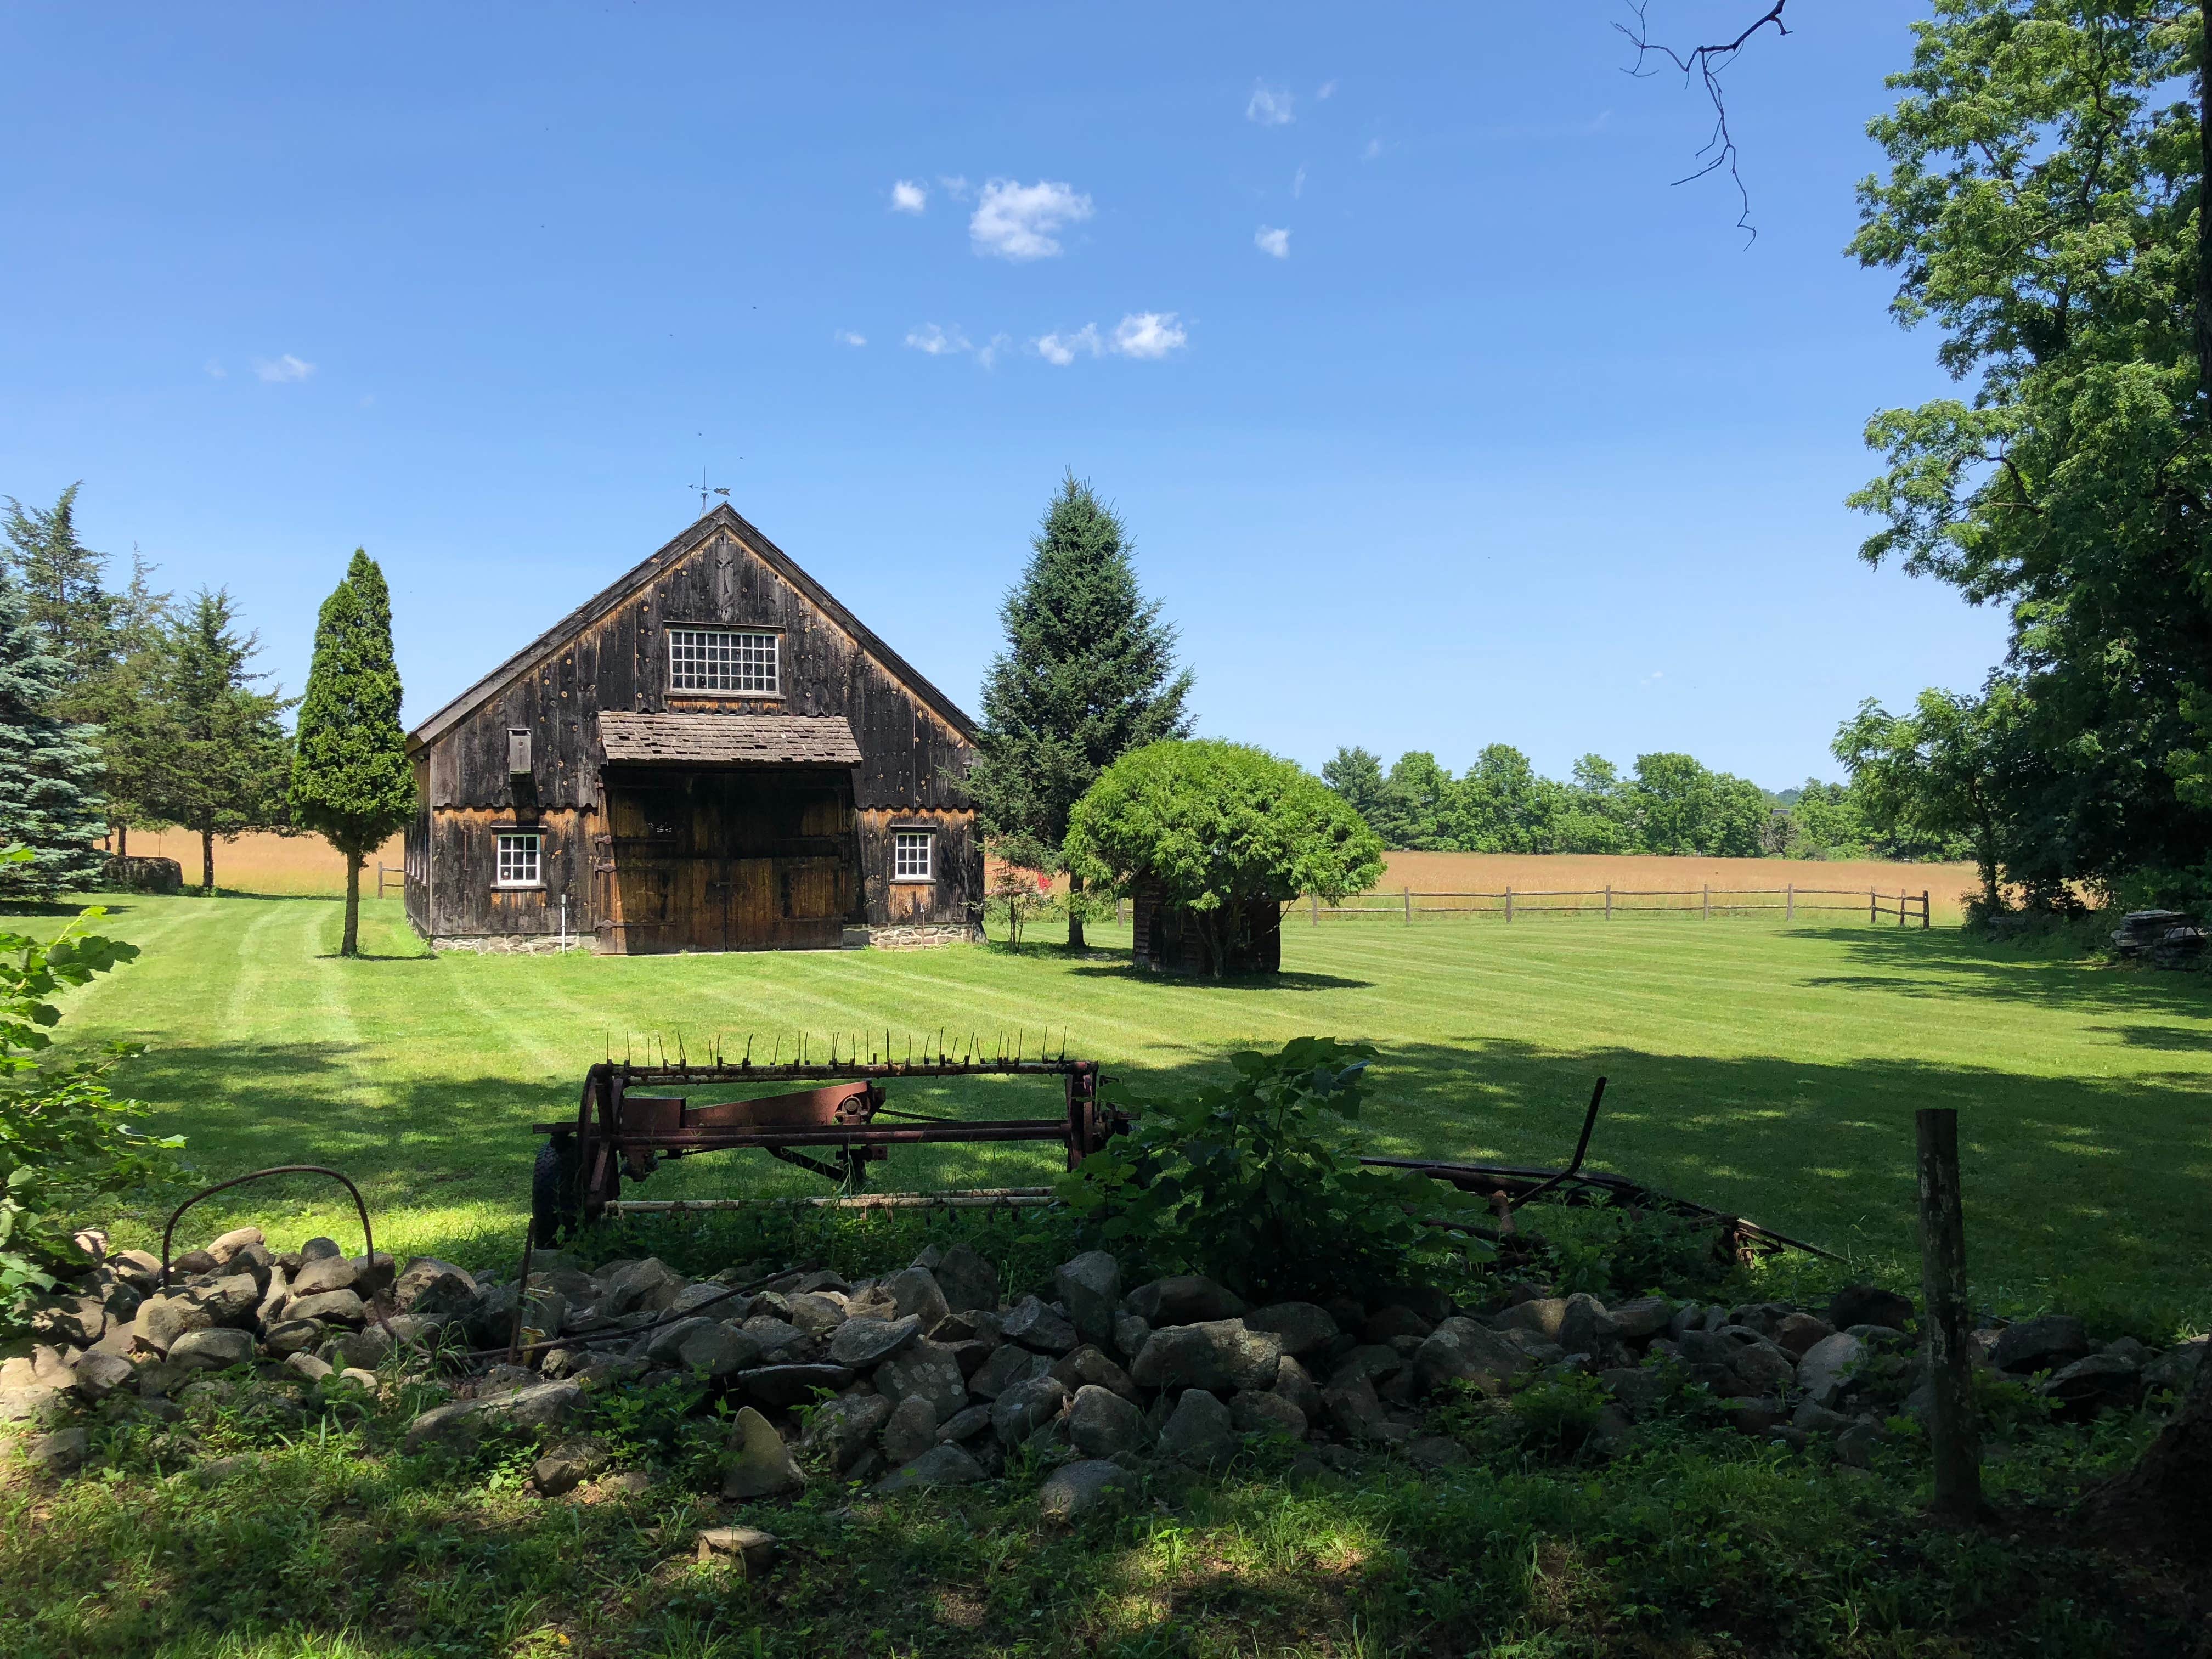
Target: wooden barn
{"points": [[712, 754]]}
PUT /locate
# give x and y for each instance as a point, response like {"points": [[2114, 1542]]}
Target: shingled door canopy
{"points": [[711, 754]]}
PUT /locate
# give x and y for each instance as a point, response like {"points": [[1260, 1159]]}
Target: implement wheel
{"points": [[554, 1201]]}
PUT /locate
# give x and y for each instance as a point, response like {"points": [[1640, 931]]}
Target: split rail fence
{"points": [[1703, 902]]}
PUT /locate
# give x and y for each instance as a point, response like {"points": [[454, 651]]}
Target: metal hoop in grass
{"points": [[367, 1238]]}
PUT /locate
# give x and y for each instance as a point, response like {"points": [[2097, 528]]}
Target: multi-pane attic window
{"points": [[722, 660]]}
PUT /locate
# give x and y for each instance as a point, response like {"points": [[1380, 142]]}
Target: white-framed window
{"points": [[724, 660], [914, 855], [517, 862]]}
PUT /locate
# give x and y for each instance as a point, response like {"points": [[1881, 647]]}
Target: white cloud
{"points": [[847, 336], [1274, 242], [1017, 220], [1063, 349], [908, 197], [1269, 107], [1298, 184], [214, 369], [1374, 148], [1149, 334], [937, 342], [286, 367], [956, 185], [1327, 90], [993, 348]]}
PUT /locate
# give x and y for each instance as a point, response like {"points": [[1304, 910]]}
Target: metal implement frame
{"points": [[612, 1141]]}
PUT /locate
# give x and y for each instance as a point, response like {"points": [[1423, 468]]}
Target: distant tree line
{"points": [[1668, 804]]}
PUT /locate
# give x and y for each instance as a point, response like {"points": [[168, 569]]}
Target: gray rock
{"points": [[569, 1465], [1087, 1364], [335, 1272], [648, 1286], [1811, 1418], [915, 1290], [1200, 1431], [1102, 1424], [1459, 1350], [861, 1343], [1759, 1366], [1870, 1304], [966, 1424], [1433, 1452], [363, 1350], [2175, 1370], [1644, 1317], [62, 1452], [925, 1369], [814, 1313], [1007, 1366], [1129, 1334], [910, 1431], [1543, 1316], [1854, 1445], [1184, 1299], [1221, 1354], [1354, 1411], [716, 1349], [318, 1249], [2094, 1382], [1027, 1407], [1829, 1365], [98, 1375], [1089, 1287], [306, 1365], [330, 1308], [2048, 1344], [1302, 1328], [749, 1549], [162, 1319], [38, 1403], [1387, 1323], [70, 1321], [191, 1265], [1586, 1326], [213, 1350], [1794, 1334], [780, 1388], [941, 1466], [462, 1423], [233, 1241], [966, 1325], [1370, 1362], [433, 1288], [967, 1281], [708, 1297], [1076, 1490], [1256, 1413], [846, 1427], [1036, 1327], [779, 1339], [659, 1347], [757, 1463], [1296, 1385]]}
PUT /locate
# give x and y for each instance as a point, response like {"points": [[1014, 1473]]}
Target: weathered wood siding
{"points": [[913, 772], [1165, 938]]}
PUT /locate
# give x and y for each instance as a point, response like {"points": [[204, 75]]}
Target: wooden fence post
{"points": [[1789, 904], [1923, 909], [1709, 900], [1869, 905], [1953, 1435], [1409, 907], [1316, 910], [1608, 901], [1509, 903]]}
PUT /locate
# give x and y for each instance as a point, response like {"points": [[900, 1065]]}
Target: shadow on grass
{"points": [[1245, 982], [1950, 965], [67, 907]]}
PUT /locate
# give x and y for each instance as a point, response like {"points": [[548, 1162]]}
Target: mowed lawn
{"points": [[1765, 1070]]}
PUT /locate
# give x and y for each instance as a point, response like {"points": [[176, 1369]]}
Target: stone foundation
{"points": [[921, 938], [511, 944]]}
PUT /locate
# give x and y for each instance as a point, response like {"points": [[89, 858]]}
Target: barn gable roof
{"points": [[722, 519]]}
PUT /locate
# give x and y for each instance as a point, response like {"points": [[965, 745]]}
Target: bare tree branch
{"points": [[1707, 64]]}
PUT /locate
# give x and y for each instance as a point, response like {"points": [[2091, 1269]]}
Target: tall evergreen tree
{"points": [[64, 600], [49, 798], [351, 783], [1089, 673], [127, 698], [227, 763]]}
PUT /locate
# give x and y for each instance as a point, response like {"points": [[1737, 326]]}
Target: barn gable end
{"points": [[522, 753]]}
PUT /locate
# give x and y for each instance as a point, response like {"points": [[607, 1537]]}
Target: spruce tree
{"points": [[64, 598], [49, 798], [127, 698], [1089, 673], [351, 782], [227, 763]]}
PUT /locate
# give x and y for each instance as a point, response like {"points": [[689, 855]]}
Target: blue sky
{"points": [[1438, 418]]}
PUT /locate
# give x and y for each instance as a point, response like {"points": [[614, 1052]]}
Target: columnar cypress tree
{"points": [[1088, 674], [350, 780], [228, 762], [49, 798]]}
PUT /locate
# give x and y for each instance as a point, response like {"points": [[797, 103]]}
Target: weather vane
{"points": [[705, 490]]}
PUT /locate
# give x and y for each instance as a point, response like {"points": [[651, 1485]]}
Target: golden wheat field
{"points": [[266, 863]]}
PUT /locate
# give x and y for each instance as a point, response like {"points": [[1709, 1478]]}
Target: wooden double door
{"points": [[752, 859]]}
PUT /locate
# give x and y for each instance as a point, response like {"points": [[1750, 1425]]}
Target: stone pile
{"points": [[929, 1376]]}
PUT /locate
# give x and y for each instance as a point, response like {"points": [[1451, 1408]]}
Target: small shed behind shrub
{"points": [[1168, 938]]}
